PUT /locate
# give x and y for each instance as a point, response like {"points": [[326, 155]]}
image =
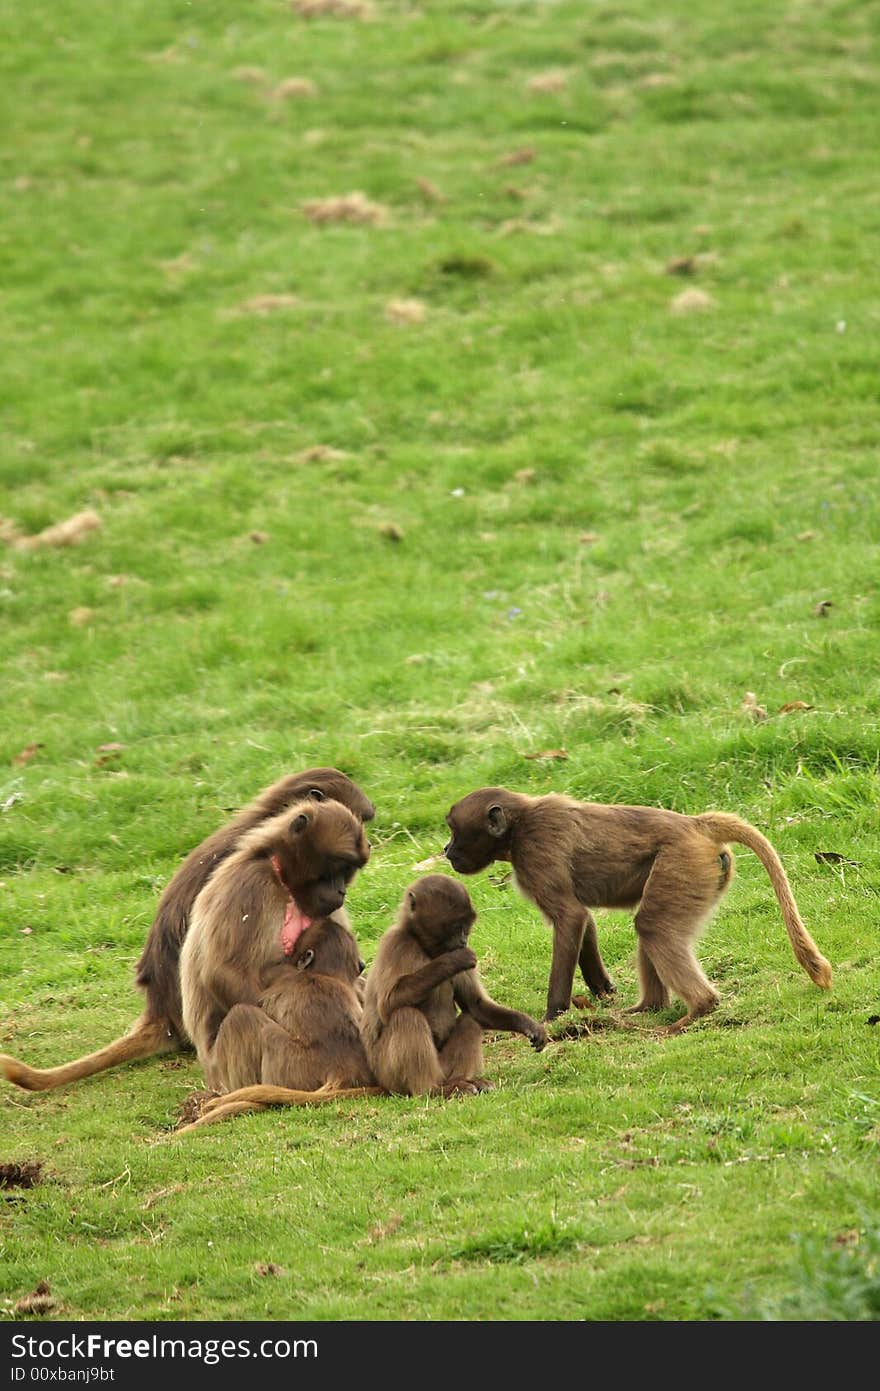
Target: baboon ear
{"points": [[496, 821], [298, 824], [305, 960], [411, 901]]}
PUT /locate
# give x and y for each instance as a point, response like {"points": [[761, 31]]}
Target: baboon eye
{"points": [[316, 794]]}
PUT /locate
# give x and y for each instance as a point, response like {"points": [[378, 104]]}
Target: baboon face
{"points": [[319, 854], [440, 914], [328, 784], [328, 948], [320, 896], [479, 830]]}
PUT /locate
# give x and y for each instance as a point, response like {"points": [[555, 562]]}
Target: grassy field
{"points": [[561, 436]]}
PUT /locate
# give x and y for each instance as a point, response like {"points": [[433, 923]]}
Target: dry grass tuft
{"points": [[382, 1229], [691, 302], [67, 533], [264, 305], [320, 454], [40, 1301], [405, 311], [690, 265], [333, 9], [256, 76], [294, 88], [191, 1109], [430, 192], [512, 226], [556, 80], [26, 1174], [178, 265], [525, 155], [167, 56], [751, 707], [347, 207]]}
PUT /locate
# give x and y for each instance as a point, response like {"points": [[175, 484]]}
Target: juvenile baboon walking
{"points": [[569, 857]]}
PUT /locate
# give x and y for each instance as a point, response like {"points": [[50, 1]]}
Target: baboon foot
{"points": [[462, 1086], [604, 989], [686, 1020]]}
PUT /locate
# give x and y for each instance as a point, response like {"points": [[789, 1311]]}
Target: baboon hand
{"points": [[536, 1035], [462, 958]]}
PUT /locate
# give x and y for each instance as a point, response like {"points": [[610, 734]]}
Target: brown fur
{"points": [[275, 1027], [299, 1043], [425, 1006], [569, 857], [234, 952], [160, 1028]]}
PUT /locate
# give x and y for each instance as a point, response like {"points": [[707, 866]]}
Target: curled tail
{"points": [[723, 826], [147, 1037]]}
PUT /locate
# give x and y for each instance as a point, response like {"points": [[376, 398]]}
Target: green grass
{"points": [[724, 463]]}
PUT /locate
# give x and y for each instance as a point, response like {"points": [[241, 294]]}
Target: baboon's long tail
{"points": [[724, 826], [146, 1037], [261, 1095]]}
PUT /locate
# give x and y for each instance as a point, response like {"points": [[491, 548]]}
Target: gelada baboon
{"points": [[160, 1028], [569, 857], [284, 875], [299, 1043], [425, 1006]]}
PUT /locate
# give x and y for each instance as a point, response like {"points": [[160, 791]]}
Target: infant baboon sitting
{"points": [[425, 1007]]}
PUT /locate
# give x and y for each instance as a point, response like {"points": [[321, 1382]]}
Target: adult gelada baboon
{"points": [[425, 1006], [569, 856], [272, 1006], [160, 1028]]}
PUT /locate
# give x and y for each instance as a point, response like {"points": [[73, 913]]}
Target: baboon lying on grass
{"points": [[160, 1029]]}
